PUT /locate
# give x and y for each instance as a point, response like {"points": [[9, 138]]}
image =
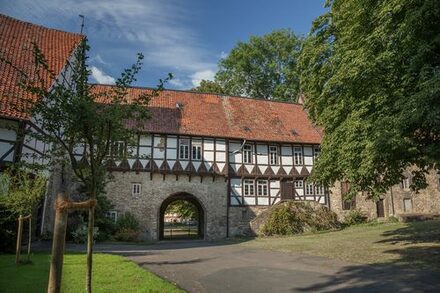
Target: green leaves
{"points": [[365, 71], [264, 67]]}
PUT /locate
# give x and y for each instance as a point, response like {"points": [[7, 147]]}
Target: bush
{"points": [[290, 217], [127, 228], [355, 217], [80, 234], [127, 235]]}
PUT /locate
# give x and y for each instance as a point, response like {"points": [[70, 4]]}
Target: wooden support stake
{"points": [[29, 239], [19, 236]]}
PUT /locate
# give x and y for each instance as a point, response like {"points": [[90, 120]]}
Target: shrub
{"points": [[80, 234], [127, 235], [290, 217], [127, 228], [355, 217]]}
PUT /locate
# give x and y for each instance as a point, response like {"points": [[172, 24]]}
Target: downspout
{"points": [[392, 200]]}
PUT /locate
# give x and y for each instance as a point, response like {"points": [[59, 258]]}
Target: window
{"points": [[299, 184], [135, 189], [316, 152], [347, 204], [197, 151], [405, 183], [113, 215], [273, 155], [247, 154], [297, 155], [262, 189], [248, 187], [117, 149], [319, 190], [309, 189], [184, 149], [407, 205]]}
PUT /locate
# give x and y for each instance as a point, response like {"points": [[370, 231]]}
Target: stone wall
{"points": [[240, 218], [212, 195], [426, 201]]}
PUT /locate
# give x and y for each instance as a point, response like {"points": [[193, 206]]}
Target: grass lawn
{"points": [[111, 273], [409, 244]]}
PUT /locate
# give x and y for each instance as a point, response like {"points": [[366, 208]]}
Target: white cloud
{"points": [[177, 82], [160, 29], [223, 55], [198, 76], [101, 77]]}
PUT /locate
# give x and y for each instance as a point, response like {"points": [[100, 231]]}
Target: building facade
{"points": [[232, 157]]}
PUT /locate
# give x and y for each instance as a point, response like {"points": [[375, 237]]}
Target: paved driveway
{"points": [[225, 267]]}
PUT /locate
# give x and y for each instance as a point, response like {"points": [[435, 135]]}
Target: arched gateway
{"points": [[185, 197]]}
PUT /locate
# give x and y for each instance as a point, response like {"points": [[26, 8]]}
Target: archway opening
{"points": [[181, 217]]}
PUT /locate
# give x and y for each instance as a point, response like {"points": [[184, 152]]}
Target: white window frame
{"points": [[309, 189], [319, 190], [298, 156], [316, 152], [273, 155], [136, 189], [117, 147], [248, 187], [262, 188], [196, 151], [298, 184], [113, 215], [406, 183], [248, 154], [184, 148]]}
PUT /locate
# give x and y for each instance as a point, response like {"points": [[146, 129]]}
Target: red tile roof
{"points": [[16, 38], [225, 116]]}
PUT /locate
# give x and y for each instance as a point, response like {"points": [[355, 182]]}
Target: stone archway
{"points": [[187, 197]]}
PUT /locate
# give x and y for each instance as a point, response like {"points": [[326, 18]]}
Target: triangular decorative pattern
{"points": [[304, 172], [269, 171]]}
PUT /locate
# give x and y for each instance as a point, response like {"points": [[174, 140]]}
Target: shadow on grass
{"points": [[416, 269]]}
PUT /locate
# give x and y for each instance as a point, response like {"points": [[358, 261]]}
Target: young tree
{"points": [[79, 120], [371, 78], [184, 209], [20, 193], [264, 67]]}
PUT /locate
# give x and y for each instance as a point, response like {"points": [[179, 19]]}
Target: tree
{"points": [[20, 193], [79, 118], [183, 208], [208, 86], [370, 71], [264, 67]]}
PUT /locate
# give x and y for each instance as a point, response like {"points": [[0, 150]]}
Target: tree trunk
{"points": [[19, 236], [58, 244], [90, 249], [29, 239]]}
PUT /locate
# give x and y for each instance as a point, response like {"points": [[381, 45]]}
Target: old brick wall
{"points": [[212, 195]]}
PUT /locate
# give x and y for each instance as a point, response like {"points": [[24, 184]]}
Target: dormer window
{"points": [[247, 154]]}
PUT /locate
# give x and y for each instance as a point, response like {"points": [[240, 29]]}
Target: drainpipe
{"points": [[392, 200]]}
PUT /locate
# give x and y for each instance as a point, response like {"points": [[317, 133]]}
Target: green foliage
{"points": [[355, 217], [183, 208], [370, 71], [208, 86], [297, 217], [80, 233], [264, 67], [20, 191], [127, 228]]}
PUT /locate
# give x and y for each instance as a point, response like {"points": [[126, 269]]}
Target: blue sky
{"points": [[184, 37]]}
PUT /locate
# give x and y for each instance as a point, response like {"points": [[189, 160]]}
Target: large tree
{"points": [[265, 67], [371, 78]]}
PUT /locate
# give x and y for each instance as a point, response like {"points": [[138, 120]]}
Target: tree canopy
{"points": [[370, 72], [265, 67]]}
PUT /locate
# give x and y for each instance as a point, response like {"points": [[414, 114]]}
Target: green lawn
{"points": [[407, 244], [111, 274]]}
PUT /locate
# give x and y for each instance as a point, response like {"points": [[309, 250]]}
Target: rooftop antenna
{"points": [[82, 22]]}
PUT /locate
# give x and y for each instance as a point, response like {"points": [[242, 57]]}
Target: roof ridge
{"points": [[205, 93], [39, 25]]}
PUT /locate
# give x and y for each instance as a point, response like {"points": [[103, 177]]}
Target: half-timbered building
{"points": [[232, 157]]}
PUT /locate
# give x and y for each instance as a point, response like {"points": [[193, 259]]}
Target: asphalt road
{"points": [[199, 266]]}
